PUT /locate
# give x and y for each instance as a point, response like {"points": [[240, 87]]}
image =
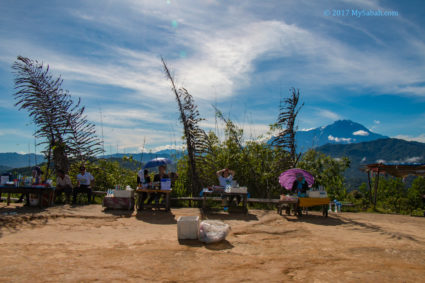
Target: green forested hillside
{"points": [[381, 150]]}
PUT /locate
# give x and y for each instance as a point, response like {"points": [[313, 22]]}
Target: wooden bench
{"points": [[190, 199], [264, 200]]}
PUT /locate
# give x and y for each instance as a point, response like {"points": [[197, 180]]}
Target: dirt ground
{"points": [[86, 243]]}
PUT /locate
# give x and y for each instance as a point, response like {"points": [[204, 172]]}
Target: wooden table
{"points": [[140, 205], [309, 202], [287, 203], [208, 195], [38, 190]]}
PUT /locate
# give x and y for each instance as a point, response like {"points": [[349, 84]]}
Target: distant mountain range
{"points": [[172, 154], [340, 132], [10, 160]]}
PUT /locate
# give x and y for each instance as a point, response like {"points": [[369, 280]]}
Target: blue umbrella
{"points": [[157, 162]]}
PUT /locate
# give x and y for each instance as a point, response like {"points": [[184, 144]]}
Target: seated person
{"points": [[225, 178], [157, 178], [173, 177], [36, 176], [63, 185], [300, 186], [85, 182], [142, 180]]}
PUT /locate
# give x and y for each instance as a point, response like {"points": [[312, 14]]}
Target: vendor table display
{"points": [[119, 199], [224, 193], [44, 194]]}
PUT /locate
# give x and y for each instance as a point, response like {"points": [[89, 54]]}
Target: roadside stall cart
{"points": [[297, 181]]}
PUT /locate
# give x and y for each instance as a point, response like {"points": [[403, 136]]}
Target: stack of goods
{"points": [[317, 194], [238, 190], [288, 198], [119, 199]]}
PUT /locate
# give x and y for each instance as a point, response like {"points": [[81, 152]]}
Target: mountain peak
{"points": [[339, 132]]}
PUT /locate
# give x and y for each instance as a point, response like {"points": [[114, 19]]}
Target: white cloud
{"points": [[128, 117], [165, 147], [380, 161], [363, 159], [328, 114], [134, 138], [222, 58], [420, 138], [360, 133], [17, 133], [413, 159], [336, 139]]}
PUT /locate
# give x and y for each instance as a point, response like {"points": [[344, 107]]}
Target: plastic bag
{"points": [[211, 231]]}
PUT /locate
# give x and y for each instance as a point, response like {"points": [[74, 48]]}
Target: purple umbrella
{"points": [[287, 178]]}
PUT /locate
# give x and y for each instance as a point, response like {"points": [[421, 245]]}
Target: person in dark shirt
{"points": [[157, 178], [300, 186]]}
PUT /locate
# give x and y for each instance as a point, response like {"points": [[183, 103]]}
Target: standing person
{"points": [[63, 185], [146, 179], [157, 178], [85, 182], [225, 178]]}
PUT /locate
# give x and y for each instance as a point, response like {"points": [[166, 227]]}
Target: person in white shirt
{"points": [[225, 178], [63, 185], [85, 182]]}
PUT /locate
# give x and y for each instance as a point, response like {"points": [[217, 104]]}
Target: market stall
{"points": [[300, 196]]}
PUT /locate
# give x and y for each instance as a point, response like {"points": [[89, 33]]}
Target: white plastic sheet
{"points": [[212, 231]]}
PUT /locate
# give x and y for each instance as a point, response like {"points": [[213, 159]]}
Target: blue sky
{"points": [[242, 56]]}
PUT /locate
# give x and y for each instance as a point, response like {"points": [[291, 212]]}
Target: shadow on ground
{"points": [[156, 217], [12, 218], [119, 212], [222, 245], [232, 215], [316, 219]]}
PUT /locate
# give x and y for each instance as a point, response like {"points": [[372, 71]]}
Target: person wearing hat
{"points": [[300, 185], [85, 182]]}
